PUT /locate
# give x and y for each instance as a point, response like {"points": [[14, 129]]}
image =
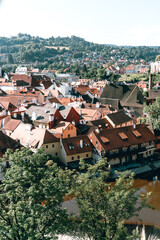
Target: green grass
{"points": [[134, 77], [138, 77]]}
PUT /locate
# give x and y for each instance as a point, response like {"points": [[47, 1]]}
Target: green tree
{"points": [[102, 74], [31, 196], [152, 114], [104, 207], [10, 59]]}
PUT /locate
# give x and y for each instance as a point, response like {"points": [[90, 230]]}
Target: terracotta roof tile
{"points": [[116, 142], [12, 124], [73, 146]]}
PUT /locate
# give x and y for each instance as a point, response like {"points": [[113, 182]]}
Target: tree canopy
{"points": [[152, 114], [31, 196], [33, 190], [104, 207]]}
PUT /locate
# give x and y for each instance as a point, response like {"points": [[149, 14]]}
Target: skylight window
{"points": [[136, 133], [123, 136], [104, 139]]}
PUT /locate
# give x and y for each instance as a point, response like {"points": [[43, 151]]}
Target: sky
{"points": [[120, 22]]}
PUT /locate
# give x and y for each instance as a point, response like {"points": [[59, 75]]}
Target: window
{"points": [[86, 155], [78, 157], [53, 145], [68, 128], [46, 146], [69, 135], [71, 127], [56, 154], [72, 158]]}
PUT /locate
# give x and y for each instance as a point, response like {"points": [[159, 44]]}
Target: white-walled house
{"points": [[155, 67]]}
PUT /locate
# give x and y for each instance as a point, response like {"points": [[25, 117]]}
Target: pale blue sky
{"points": [[121, 22]]}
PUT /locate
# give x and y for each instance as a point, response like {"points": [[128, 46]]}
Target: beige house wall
{"points": [[79, 156], [52, 148], [8, 132]]}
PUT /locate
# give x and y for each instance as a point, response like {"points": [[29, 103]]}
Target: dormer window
{"points": [[136, 133], [123, 136], [104, 139]]}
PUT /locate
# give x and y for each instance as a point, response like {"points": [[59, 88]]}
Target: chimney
{"points": [[28, 127], [81, 143], [51, 117], [57, 105], [150, 82], [34, 116], [97, 130], [22, 115], [97, 104]]}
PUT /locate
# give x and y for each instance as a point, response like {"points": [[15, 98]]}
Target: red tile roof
{"points": [[12, 124], [116, 142], [72, 145]]}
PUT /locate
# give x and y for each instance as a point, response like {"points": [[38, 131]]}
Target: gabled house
{"points": [[152, 95], [88, 114], [10, 126], [70, 114], [64, 130], [6, 106], [50, 93], [119, 119], [102, 108], [36, 138], [117, 95], [123, 145], [44, 116], [75, 148]]}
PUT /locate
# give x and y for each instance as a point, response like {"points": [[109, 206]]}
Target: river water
{"points": [[149, 216]]}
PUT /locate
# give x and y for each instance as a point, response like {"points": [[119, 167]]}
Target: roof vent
{"points": [[28, 127], [81, 143], [34, 116]]}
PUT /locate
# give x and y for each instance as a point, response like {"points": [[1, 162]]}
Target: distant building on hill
{"points": [[155, 67]]}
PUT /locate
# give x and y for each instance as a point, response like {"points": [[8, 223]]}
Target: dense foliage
{"points": [[152, 114], [103, 206], [31, 197], [33, 190]]}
